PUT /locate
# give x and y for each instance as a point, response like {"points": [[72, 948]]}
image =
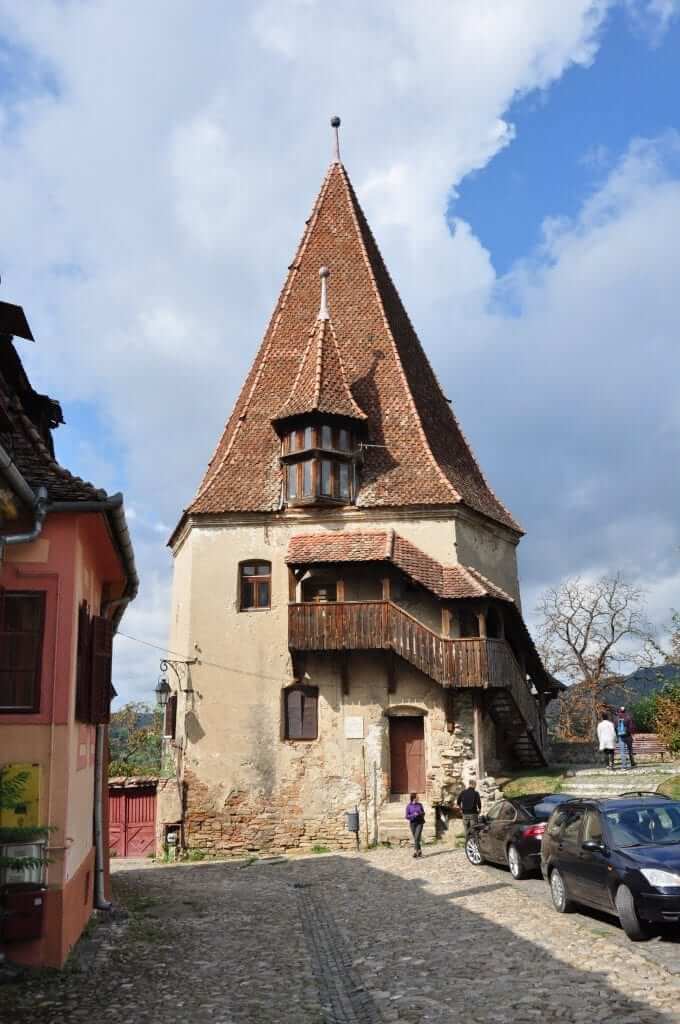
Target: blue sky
{"points": [[569, 136], [519, 164]]}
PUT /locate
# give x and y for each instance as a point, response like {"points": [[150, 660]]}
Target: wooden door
{"points": [[132, 821], [407, 755]]}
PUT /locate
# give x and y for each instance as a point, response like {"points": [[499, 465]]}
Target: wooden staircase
{"points": [[478, 662]]}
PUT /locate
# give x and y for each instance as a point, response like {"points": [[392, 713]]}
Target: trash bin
{"points": [[22, 910], [352, 821]]}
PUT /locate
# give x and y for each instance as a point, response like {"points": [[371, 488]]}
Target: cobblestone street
{"points": [[343, 938]]}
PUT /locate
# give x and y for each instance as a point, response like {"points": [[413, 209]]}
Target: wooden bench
{"points": [[646, 744]]}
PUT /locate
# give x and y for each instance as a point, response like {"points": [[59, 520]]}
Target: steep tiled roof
{"points": [[417, 454], [31, 456], [446, 581], [321, 385]]}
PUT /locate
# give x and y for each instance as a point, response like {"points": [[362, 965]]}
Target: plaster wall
{"points": [[246, 787], [491, 552]]}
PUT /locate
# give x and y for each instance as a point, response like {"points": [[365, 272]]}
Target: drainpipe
{"points": [[36, 501], [100, 901]]}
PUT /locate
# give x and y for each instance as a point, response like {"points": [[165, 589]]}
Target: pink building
{"points": [[67, 573]]}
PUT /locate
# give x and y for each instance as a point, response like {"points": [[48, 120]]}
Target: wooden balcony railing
{"points": [[382, 625]]}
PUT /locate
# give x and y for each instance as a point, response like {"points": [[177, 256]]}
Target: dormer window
{"points": [[318, 465], [320, 424]]}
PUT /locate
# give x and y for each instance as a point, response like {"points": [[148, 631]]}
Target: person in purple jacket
{"points": [[415, 815]]}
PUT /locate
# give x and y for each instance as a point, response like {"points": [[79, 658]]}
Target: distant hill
{"points": [[641, 683]]}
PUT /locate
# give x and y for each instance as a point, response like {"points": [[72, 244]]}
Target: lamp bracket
{"points": [[180, 669]]}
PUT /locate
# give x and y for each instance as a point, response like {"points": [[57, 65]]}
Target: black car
{"points": [[620, 855], [511, 832]]}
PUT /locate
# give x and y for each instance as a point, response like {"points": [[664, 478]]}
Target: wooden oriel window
{"points": [[22, 623], [301, 713], [322, 470], [255, 586]]}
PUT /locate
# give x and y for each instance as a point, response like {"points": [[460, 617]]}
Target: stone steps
{"points": [[610, 784]]}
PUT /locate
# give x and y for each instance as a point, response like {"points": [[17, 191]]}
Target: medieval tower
{"points": [[345, 580]]}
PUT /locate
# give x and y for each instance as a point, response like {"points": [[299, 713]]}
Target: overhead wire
{"points": [[211, 664]]}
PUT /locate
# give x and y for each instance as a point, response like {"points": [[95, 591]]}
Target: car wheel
{"points": [[517, 869], [634, 928], [558, 891], [472, 851]]}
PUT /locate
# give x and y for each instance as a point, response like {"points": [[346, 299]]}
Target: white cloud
{"points": [[172, 161]]}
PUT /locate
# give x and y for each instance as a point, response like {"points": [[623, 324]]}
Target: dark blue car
{"points": [[619, 855]]}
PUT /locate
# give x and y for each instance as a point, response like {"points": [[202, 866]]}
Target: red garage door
{"points": [[132, 821]]}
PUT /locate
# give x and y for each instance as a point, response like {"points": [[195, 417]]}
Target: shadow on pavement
{"points": [[340, 938]]}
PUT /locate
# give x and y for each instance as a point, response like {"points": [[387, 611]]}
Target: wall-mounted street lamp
{"points": [[180, 668]]}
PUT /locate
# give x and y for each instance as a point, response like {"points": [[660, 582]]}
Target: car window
{"points": [[557, 820], [644, 825], [507, 812], [592, 827], [495, 810], [572, 827]]}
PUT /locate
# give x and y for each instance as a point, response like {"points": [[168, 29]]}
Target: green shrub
{"points": [[644, 713]]}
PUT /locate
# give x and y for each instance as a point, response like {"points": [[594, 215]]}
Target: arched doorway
{"points": [[407, 752]]}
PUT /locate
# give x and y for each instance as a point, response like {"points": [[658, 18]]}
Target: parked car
{"points": [[511, 832], [619, 855]]}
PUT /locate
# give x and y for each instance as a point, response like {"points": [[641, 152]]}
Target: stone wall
{"points": [[573, 752]]}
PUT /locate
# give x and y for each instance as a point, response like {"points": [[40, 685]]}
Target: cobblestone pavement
{"points": [[662, 949], [343, 939]]}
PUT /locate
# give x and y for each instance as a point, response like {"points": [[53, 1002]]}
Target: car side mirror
{"points": [[592, 846]]}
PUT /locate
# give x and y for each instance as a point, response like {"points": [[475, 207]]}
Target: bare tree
{"points": [[587, 632]]}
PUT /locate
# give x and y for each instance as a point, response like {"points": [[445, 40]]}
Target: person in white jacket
{"points": [[606, 734]]}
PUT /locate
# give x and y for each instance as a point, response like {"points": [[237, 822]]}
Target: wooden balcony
{"points": [[381, 625]]}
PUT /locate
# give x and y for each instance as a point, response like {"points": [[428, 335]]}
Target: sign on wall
{"points": [[354, 728]]}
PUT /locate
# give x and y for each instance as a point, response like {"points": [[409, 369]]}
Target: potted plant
{"points": [[23, 860]]}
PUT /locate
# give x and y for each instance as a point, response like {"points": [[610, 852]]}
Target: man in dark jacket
{"points": [[625, 730], [470, 804]]}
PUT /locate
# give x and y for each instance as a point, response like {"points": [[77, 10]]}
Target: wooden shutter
{"points": [[294, 714], [310, 707], [170, 724], [84, 667], [102, 645]]}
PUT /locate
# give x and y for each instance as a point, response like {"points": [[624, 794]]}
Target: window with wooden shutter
{"points": [[84, 666], [301, 709], [102, 646], [170, 721], [22, 622]]}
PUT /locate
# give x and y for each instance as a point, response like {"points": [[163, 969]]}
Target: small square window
{"points": [[255, 586]]}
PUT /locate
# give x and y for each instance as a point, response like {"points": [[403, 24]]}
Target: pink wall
{"points": [[73, 560]]}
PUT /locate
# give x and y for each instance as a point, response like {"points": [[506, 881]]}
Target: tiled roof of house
{"points": [[321, 385], [417, 454], [446, 581], [30, 454]]}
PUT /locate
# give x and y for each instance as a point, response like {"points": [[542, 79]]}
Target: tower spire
{"points": [[335, 124], [324, 274]]}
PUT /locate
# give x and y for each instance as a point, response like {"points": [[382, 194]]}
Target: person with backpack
{"points": [[415, 815], [625, 730]]}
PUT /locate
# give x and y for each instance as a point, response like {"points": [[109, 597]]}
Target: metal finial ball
{"points": [[324, 272], [335, 122]]}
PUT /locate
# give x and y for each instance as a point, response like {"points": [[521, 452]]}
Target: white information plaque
{"points": [[354, 728]]}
